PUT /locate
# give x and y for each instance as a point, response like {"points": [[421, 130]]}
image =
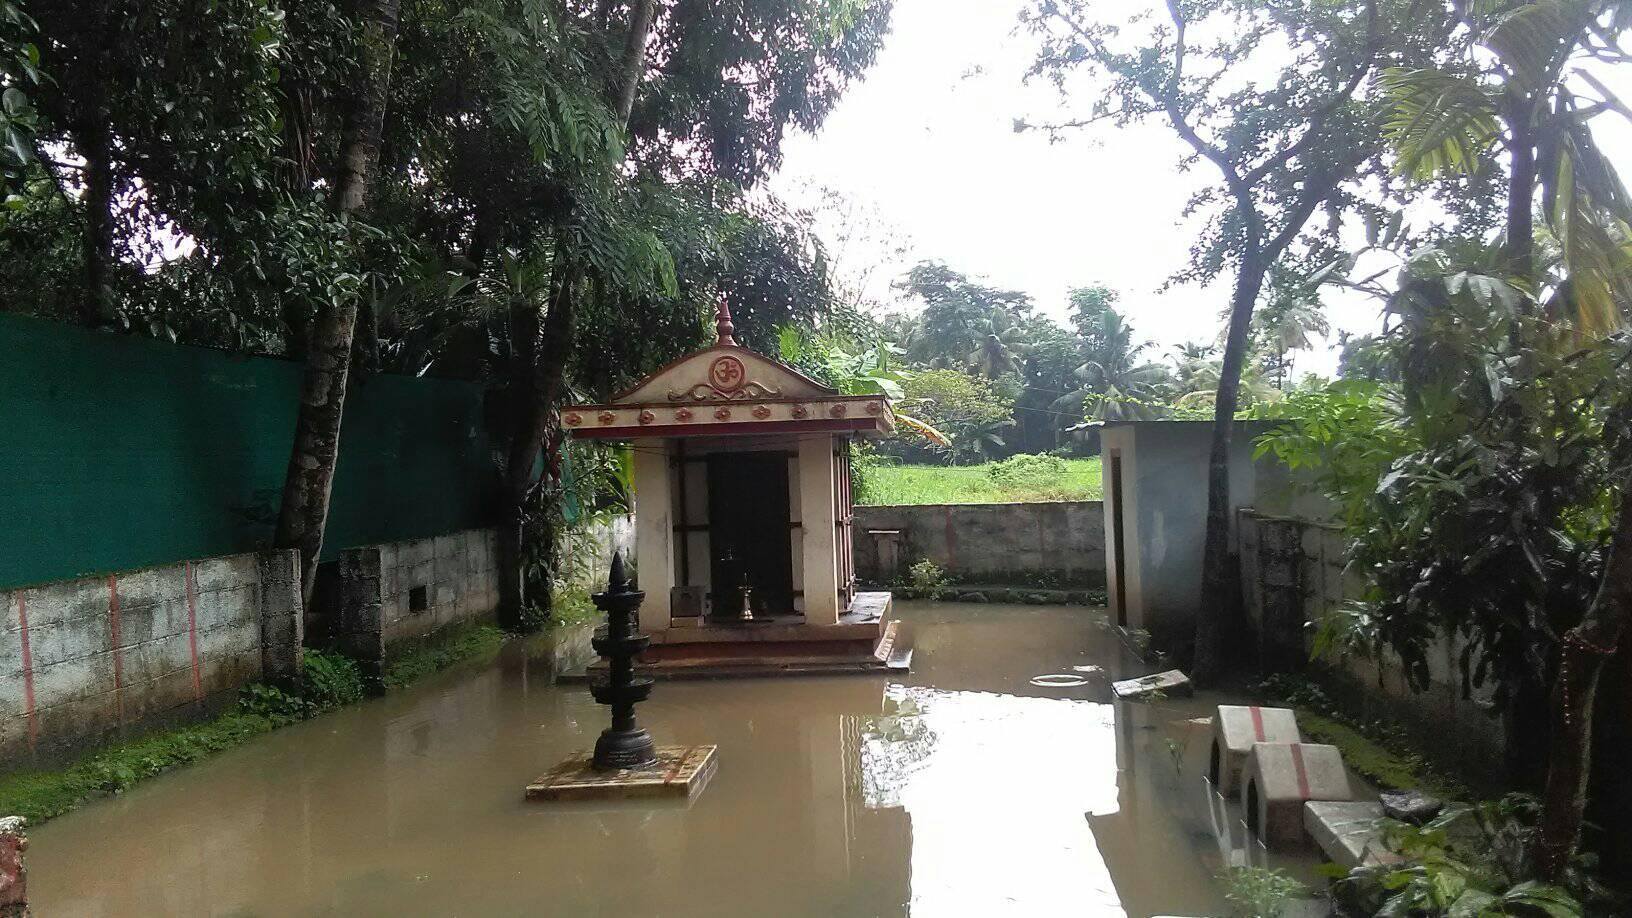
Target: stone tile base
{"points": [[680, 772]]}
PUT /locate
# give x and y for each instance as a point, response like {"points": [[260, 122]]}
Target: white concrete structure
{"points": [[1236, 729], [1155, 487], [742, 487], [1280, 778]]}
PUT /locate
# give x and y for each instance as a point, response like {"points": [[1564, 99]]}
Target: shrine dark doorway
{"points": [[749, 532]]}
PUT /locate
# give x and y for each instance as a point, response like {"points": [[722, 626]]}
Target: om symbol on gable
{"points": [[727, 374]]}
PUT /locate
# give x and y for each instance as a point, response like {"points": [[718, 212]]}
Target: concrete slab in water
{"points": [[1347, 831], [1171, 682], [680, 771]]}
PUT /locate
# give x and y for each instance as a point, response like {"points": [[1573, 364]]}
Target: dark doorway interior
{"points": [[748, 516], [1119, 544]]}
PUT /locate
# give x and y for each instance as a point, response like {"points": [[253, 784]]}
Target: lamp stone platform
{"points": [[1236, 729], [626, 763], [677, 772]]}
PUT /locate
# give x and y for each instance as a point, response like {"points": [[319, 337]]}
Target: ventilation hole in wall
{"points": [[419, 599]]}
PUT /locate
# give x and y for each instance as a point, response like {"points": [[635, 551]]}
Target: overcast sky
{"points": [[927, 142]]}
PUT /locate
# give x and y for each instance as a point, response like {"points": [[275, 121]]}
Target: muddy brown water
{"points": [[962, 789]]}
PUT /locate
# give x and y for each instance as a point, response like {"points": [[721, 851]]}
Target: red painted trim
{"points": [[1257, 722], [114, 641], [734, 429], [28, 673], [731, 403], [1303, 772], [189, 584]]}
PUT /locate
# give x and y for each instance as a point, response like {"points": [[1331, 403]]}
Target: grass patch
{"points": [[1375, 751], [894, 485], [1374, 762], [414, 660], [330, 681]]}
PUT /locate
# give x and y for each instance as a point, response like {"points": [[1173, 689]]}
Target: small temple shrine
{"points": [[743, 541]]}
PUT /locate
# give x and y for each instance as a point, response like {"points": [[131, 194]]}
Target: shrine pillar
{"points": [[654, 532], [818, 522]]}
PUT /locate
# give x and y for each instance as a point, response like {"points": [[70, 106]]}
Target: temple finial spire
{"points": [[724, 330]]}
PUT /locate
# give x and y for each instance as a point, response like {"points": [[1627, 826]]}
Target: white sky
{"points": [[927, 141]]}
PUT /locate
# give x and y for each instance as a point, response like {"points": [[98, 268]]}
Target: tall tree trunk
{"points": [[634, 56], [95, 144], [540, 368], [1521, 190], [1217, 581], [541, 374], [1586, 649], [310, 477], [304, 513]]}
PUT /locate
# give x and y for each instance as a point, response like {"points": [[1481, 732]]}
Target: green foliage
{"points": [[975, 412], [464, 642], [19, 73], [1258, 892], [1025, 472], [1344, 436], [573, 607], [1492, 526], [890, 484], [1468, 861], [926, 579]]}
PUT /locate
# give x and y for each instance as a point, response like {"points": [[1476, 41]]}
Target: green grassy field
{"points": [[970, 484]]}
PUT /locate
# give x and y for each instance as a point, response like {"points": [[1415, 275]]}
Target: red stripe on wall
{"points": [[1303, 773], [115, 641], [1257, 722], [28, 672], [190, 584]]}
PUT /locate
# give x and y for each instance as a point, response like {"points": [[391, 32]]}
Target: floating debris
{"points": [[1171, 682], [1059, 680]]}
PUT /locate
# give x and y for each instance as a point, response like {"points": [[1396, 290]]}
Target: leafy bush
{"points": [[1469, 861], [329, 680], [573, 607], [1028, 472], [926, 579], [1256, 892]]}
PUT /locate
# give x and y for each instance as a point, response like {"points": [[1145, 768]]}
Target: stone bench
{"points": [[1348, 832]]}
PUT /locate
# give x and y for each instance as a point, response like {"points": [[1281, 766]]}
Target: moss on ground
{"points": [[1373, 761], [436, 652], [330, 682]]}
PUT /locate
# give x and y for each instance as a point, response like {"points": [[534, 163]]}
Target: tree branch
{"points": [[1317, 118]]}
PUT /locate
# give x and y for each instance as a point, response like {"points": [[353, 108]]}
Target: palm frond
{"points": [[1439, 123]]}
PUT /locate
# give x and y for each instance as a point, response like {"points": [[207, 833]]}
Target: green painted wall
{"points": [[119, 452]]}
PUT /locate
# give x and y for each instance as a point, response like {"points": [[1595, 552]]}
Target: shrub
{"points": [[1255, 892], [926, 579], [329, 680], [1028, 472]]}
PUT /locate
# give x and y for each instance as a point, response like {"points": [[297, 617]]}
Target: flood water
{"points": [[962, 789]]}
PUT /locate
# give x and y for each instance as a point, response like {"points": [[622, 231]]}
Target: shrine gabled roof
{"points": [[728, 390], [724, 372]]}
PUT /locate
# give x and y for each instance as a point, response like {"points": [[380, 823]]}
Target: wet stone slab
{"points": [[680, 772]]}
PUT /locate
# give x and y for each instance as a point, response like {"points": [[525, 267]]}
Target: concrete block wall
{"points": [[990, 543], [1293, 572], [403, 590], [82, 660]]}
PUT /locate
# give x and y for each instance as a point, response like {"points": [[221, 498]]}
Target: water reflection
{"points": [[962, 790]]}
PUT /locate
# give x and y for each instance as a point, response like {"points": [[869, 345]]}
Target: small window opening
{"points": [[419, 599]]}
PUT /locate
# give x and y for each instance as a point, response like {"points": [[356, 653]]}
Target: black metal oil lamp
{"points": [[625, 744]]}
